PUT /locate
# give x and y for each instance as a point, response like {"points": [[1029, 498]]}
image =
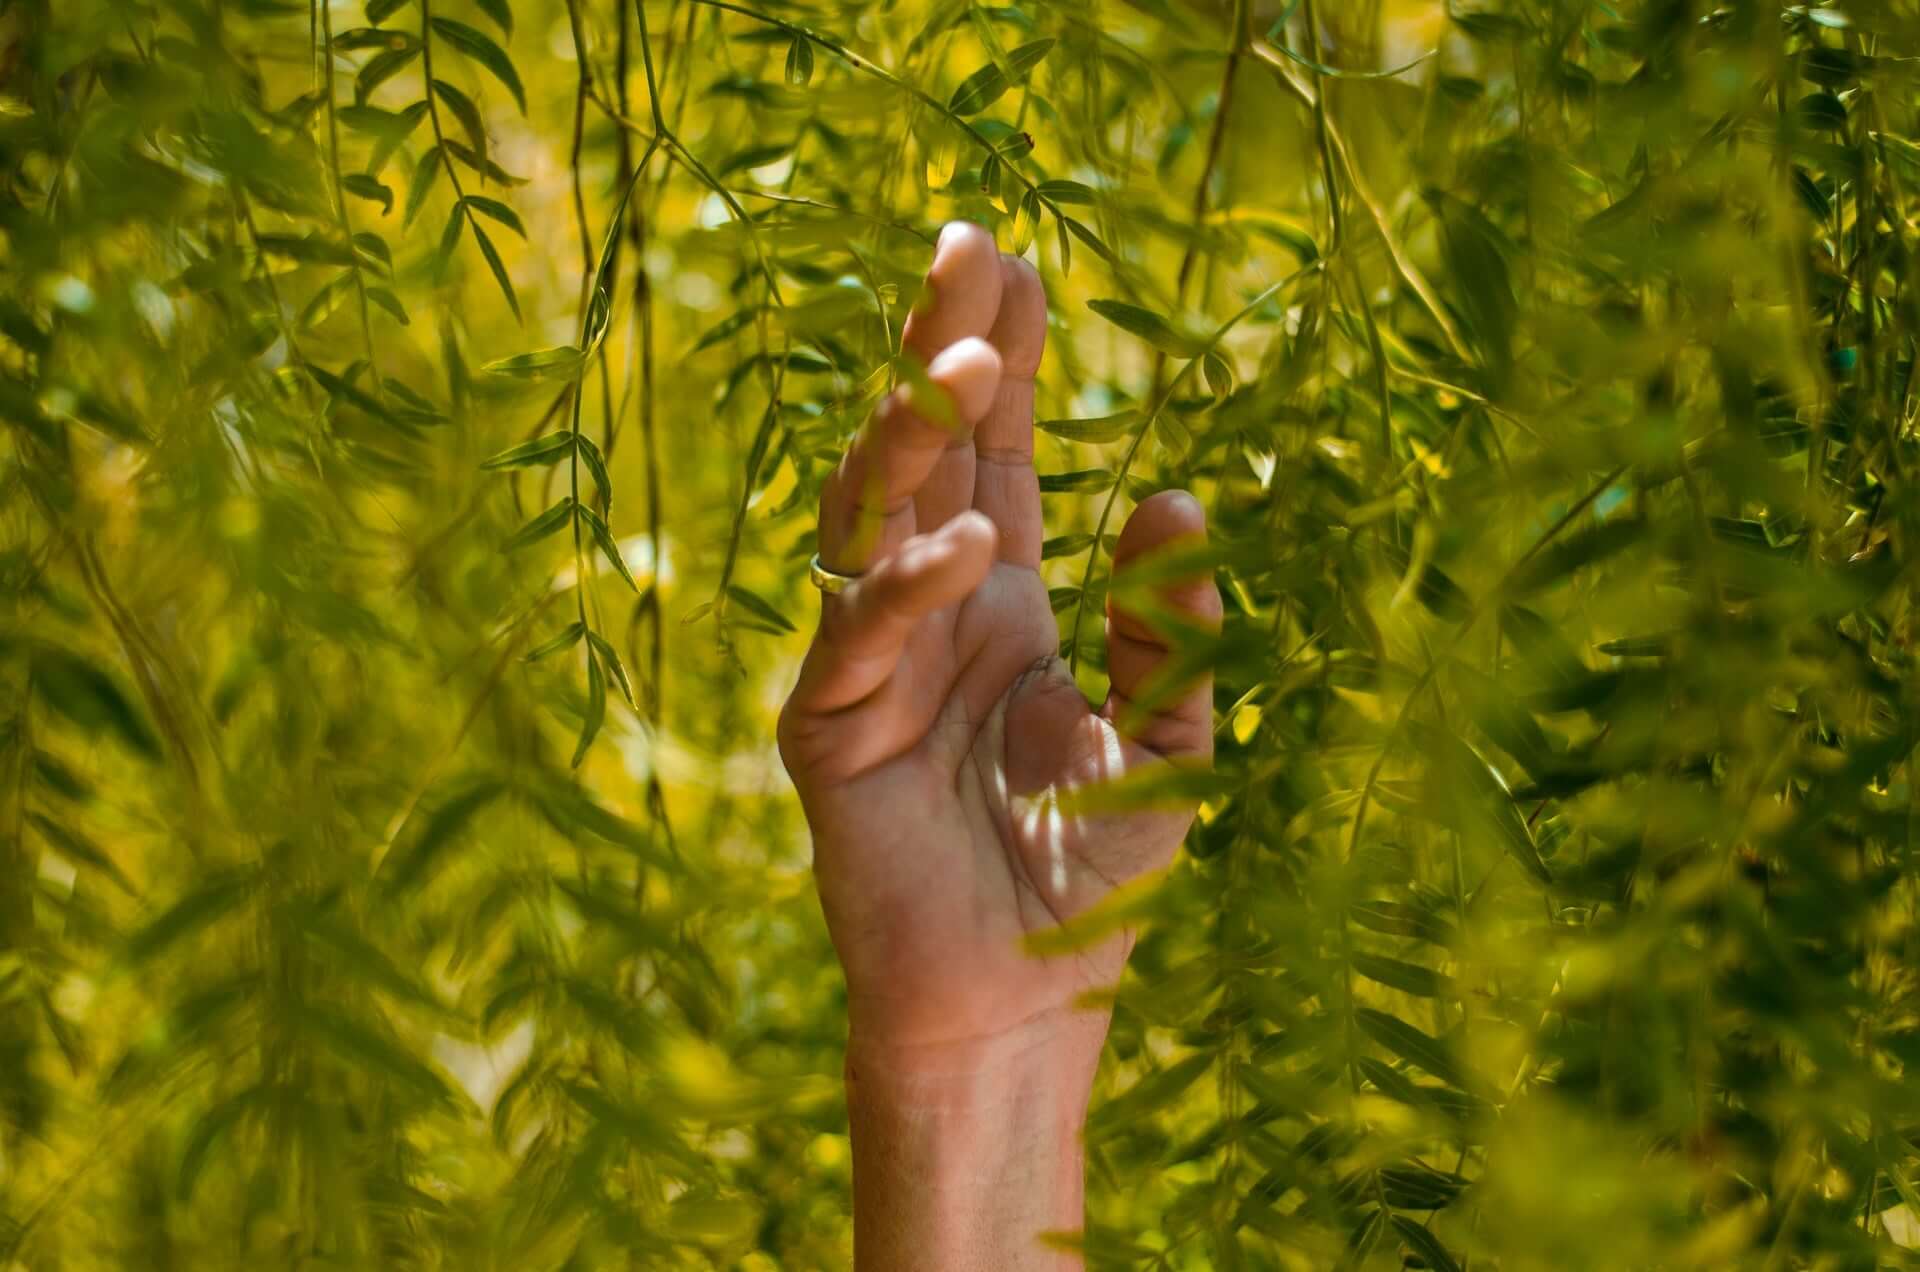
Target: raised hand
{"points": [[934, 734], [934, 727]]}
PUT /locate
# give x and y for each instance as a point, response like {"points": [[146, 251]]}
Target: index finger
{"points": [[1005, 486]]}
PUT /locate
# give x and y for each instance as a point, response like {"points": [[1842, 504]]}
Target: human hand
{"points": [[935, 731]]}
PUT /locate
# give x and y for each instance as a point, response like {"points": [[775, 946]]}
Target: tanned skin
{"points": [[936, 738]]}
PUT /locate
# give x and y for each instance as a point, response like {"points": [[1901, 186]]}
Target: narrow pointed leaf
{"points": [[540, 451], [540, 527], [480, 47]]}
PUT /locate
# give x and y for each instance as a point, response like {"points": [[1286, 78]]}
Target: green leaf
{"points": [[572, 810], [567, 639], [371, 249], [1821, 112], [799, 62], [1153, 328], [425, 173], [342, 389], [1425, 1244], [349, 951], [596, 708], [91, 699], [389, 302], [414, 855], [603, 537], [1510, 726], [754, 157], [534, 454], [1218, 372], [1026, 223], [597, 468], [1419, 1187], [362, 186], [1408, 978], [928, 400], [480, 47], [198, 910], [370, 1048], [482, 164], [1478, 795], [1364, 1236], [1572, 553], [499, 270], [600, 301], [498, 211], [381, 68], [208, 1130], [1490, 26], [611, 659], [1085, 481], [990, 177], [1336, 72], [465, 112], [1074, 192], [308, 249], [1065, 545], [541, 526], [1411, 1045], [1097, 431], [1395, 918], [500, 11], [1146, 1097], [985, 86], [1476, 256], [416, 408], [361, 39], [449, 241], [562, 363], [80, 850], [759, 608]]}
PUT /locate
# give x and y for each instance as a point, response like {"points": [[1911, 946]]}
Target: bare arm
{"points": [[936, 738], [962, 1165]]}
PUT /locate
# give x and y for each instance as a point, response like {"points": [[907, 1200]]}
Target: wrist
{"points": [[1056, 1045], [967, 1151]]}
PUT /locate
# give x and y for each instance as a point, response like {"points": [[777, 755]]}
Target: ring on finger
{"points": [[831, 582]]}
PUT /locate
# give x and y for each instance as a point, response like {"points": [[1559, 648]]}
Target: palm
{"points": [[936, 740]]}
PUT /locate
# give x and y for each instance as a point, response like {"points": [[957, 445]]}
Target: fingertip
{"points": [[1169, 521], [961, 242], [1181, 508], [939, 568], [962, 292], [1020, 327], [1161, 518], [973, 531], [969, 370]]}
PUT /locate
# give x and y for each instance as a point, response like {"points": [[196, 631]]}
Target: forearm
{"points": [[963, 1160]]}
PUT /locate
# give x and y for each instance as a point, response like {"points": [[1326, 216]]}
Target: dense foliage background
{"points": [[413, 416]]}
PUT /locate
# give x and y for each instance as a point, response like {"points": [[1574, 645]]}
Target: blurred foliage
{"points": [[413, 417]]}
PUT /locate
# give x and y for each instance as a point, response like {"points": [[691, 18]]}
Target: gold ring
{"points": [[832, 582]]}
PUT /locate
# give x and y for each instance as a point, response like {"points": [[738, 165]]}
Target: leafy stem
{"points": [[946, 112], [339, 190], [433, 110], [1145, 427]]}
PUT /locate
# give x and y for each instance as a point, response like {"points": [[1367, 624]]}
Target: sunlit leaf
{"points": [[541, 450], [561, 363], [481, 48], [540, 526]]}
